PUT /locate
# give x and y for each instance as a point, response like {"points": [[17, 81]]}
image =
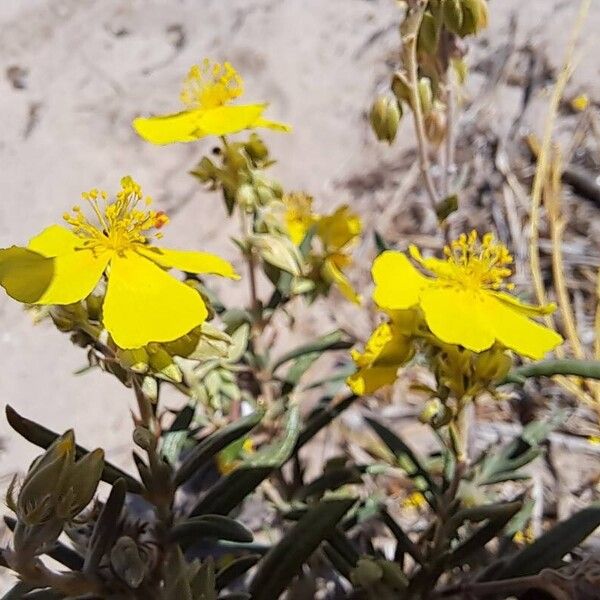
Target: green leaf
{"points": [[213, 444], [331, 480], [321, 418], [336, 340], [43, 438], [407, 460], [285, 559], [405, 544], [229, 491], [236, 569], [105, 529], [548, 550], [187, 532], [478, 539], [589, 369]]}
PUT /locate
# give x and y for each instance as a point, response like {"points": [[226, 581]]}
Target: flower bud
{"points": [[256, 148], [162, 363], [428, 34], [143, 438], [385, 117], [435, 125], [475, 17], [247, 197], [425, 94], [401, 88], [205, 170], [453, 15]]}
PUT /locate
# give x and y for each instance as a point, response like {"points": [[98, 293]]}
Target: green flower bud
{"points": [[256, 148], [475, 17], [428, 34], [425, 94], [385, 117], [453, 15], [247, 197], [436, 125], [401, 89], [205, 170], [162, 363]]}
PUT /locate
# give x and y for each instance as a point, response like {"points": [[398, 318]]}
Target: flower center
{"points": [[120, 225], [472, 263], [210, 85]]}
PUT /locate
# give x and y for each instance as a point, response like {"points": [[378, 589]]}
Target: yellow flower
{"points": [[389, 347], [337, 233], [299, 216], [207, 90], [143, 303], [465, 301]]}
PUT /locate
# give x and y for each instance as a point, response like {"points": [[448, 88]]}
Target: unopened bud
{"points": [[247, 197], [143, 438], [425, 94], [428, 34], [385, 117], [205, 170], [401, 88], [256, 148], [474, 17], [453, 15], [435, 126]]}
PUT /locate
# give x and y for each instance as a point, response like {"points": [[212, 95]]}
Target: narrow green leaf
{"points": [[230, 491], [331, 480], [408, 460], [380, 244], [589, 369], [405, 544], [43, 438], [478, 539], [547, 550], [236, 569], [105, 529], [336, 340], [193, 530], [213, 444], [285, 559], [321, 418]]}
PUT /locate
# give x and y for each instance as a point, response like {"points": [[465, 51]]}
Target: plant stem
{"points": [[409, 32]]}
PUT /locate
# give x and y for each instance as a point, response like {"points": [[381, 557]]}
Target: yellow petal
{"points": [[398, 284], [528, 310], [167, 129], [190, 261], [25, 274], [223, 120], [54, 241], [145, 304], [274, 125], [332, 274], [517, 332], [370, 379], [340, 228], [457, 316]]}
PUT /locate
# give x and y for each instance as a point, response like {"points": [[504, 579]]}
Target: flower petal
{"points": [[25, 274], [189, 261], [274, 125], [339, 228], [168, 129], [457, 316], [370, 379], [75, 276], [513, 329], [398, 284], [333, 274], [145, 304], [529, 310], [223, 120], [54, 240]]}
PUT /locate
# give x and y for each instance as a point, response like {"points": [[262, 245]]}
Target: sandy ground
{"points": [[73, 74]]}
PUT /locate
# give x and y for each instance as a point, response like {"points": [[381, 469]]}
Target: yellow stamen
{"points": [[120, 225], [210, 85], [472, 262]]}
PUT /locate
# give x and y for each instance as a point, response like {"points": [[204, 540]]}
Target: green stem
{"points": [[588, 369]]}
